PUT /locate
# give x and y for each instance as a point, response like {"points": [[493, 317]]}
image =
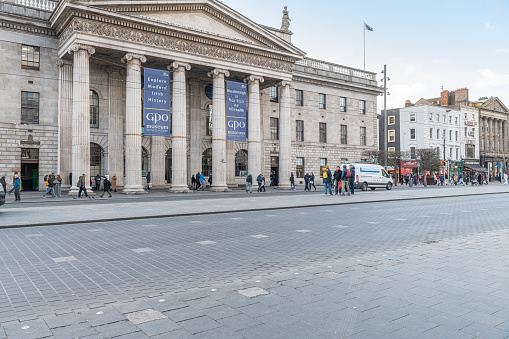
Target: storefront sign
{"points": [[236, 111], [470, 123], [156, 110], [410, 163]]}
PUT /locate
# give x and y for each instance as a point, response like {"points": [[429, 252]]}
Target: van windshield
{"points": [[384, 173]]}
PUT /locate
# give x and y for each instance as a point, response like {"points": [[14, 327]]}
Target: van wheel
{"points": [[372, 188], [364, 187], [389, 186]]}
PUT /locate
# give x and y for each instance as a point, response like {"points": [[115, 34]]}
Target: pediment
{"points": [[494, 104]]}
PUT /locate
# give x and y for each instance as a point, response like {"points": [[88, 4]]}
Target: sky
{"points": [[426, 45]]}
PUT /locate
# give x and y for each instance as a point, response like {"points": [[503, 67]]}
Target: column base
{"points": [[284, 186], [235, 185], [179, 189], [133, 190], [159, 187], [219, 188]]}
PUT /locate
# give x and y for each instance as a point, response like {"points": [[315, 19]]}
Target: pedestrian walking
{"points": [[306, 182], [352, 178], [312, 181], [106, 187], [202, 181], [263, 184], [198, 182], [345, 177], [193, 182], [259, 182], [327, 180], [49, 185], [147, 177], [210, 179], [97, 181], [17, 187], [337, 179], [82, 185], [57, 184], [460, 179], [292, 182], [505, 180], [249, 183], [114, 183], [272, 177], [441, 179], [3, 183], [13, 181]]}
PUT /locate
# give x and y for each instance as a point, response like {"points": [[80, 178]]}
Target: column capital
{"points": [[217, 72], [131, 56], [284, 83], [79, 47], [254, 78], [111, 70], [63, 62], [179, 64]]}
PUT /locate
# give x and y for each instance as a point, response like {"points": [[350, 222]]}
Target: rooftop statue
{"points": [[286, 20]]}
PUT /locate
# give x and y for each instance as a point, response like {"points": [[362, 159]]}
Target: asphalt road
{"points": [[432, 268]]}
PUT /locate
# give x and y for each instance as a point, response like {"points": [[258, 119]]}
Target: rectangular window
{"points": [[392, 119], [273, 94], [412, 133], [323, 132], [362, 106], [466, 116], [344, 136], [431, 133], [30, 57], [466, 131], [431, 117], [391, 149], [300, 130], [321, 100], [444, 119], [457, 153], [443, 134], [412, 152], [392, 135], [274, 130], [456, 120], [29, 108], [470, 151], [412, 117], [323, 163], [473, 116], [457, 135], [450, 153], [438, 117], [342, 104], [450, 135], [450, 120], [299, 97], [300, 168], [438, 133], [363, 136]]}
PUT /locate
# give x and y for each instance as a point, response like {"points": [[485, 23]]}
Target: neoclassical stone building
{"points": [[72, 79]]}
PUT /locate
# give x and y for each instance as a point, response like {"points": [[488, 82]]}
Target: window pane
{"points": [[29, 108], [323, 132], [344, 137], [342, 104]]}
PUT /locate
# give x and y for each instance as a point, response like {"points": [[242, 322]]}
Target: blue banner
{"points": [[236, 111], [156, 110]]}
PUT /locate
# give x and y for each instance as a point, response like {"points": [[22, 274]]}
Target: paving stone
{"points": [[158, 326], [219, 312], [144, 316], [116, 329], [177, 334], [239, 322], [256, 310], [28, 330], [219, 333], [101, 316], [64, 320], [132, 306], [253, 292], [74, 331], [200, 324]]}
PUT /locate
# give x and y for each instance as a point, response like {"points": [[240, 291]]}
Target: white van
{"points": [[370, 176]]}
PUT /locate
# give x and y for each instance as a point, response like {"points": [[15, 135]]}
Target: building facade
{"points": [[74, 72]]}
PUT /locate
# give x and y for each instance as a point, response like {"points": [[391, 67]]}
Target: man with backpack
{"points": [[49, 184], [345, 177], [249, 182], [326, 175], [259, 181]]}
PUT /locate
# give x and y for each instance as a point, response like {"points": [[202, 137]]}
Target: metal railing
{"points": [[326, 66], [45, 5]]}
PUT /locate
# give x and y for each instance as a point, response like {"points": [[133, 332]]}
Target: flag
{"points": [[368, 27]]}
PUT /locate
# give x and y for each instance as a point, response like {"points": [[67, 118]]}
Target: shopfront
{"points": [[411, 166]]}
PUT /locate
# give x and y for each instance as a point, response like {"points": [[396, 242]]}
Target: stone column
{"points": [[179, 129], [116, 125], [504, 136], [285, 136], [133, 183], [158, 162], [254, 146], [65, 121], [230, 164], [196, 127], [218, 130], [80, 114], [485, 134]]}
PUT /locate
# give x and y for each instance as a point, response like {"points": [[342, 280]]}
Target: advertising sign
{"points": [[156, 110], [236, 111]]}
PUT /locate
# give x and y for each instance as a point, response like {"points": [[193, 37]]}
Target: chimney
{"points": [[461, 96], [408, 103], [444, 98]]}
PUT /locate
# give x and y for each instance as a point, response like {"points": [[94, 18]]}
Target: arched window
{"points": [[206, 158], [96, 160], [241, 163], [94, 109], [208, 123], [144, 161]]}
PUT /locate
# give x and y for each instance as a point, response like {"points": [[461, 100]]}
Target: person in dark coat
{"points": [[306, 182], [312, 181], [292, 182], [262, 189], [352, 178], [4, 184], [193, 182], [106, 187], [210, 179], [198, 181], [337, 179], [148, 181], [97, 182], [249, 182]]}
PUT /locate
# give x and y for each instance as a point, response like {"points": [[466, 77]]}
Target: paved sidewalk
{"points": [[65, 210]]}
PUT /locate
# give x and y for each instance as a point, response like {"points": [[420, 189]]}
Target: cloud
{"points": [[401, 92], [503, 50], [489, 27], [441, 62], [491, 80]]}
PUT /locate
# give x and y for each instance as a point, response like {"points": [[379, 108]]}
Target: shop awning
{"points": [[476, 168]]}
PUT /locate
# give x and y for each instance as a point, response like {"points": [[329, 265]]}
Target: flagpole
{"points": [[364, 39]]}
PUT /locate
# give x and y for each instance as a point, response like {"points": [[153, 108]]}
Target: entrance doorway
{"points": [[29, 169], [274, 168]]}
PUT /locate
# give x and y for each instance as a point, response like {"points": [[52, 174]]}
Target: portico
{"points": [[95, 37]]}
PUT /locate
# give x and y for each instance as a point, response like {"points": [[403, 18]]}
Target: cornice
{"points": [[346, 86], [27, 28], [175, 41]]}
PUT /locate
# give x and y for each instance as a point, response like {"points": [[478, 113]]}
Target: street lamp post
{"points": [[386, 118]]}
